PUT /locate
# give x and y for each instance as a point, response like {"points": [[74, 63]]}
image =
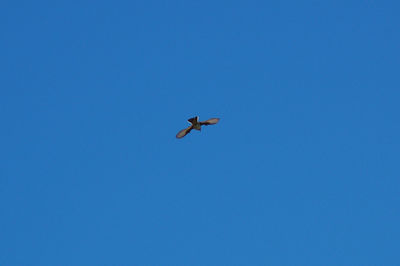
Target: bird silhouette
{"points": [[196, 124]]}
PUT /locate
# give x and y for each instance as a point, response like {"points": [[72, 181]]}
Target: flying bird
{"points": [[196, 124]]}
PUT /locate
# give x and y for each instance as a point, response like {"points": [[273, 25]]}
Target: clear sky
{"points": [[303, 168]]}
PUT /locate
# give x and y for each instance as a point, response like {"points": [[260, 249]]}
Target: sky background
{"points": [[302, 169]]}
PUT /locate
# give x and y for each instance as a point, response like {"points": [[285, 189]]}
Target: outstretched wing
{"points": [[184, 132], [211, 121]]}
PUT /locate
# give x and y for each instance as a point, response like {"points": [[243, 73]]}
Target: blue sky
{"points": [[303, 168]]}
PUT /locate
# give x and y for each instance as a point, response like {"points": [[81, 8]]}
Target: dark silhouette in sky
{"points": [[196, 124]]}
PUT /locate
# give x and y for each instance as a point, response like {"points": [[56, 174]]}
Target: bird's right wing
{"points": [[211, 121], [184, 132]]}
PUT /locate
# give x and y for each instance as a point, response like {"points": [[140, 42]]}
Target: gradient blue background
{"points": [[303, 168]]}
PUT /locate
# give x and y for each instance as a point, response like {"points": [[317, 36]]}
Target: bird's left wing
{"points": [[184, 132]]}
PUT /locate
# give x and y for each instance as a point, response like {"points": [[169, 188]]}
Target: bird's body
{"points": [[196, 124]]}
